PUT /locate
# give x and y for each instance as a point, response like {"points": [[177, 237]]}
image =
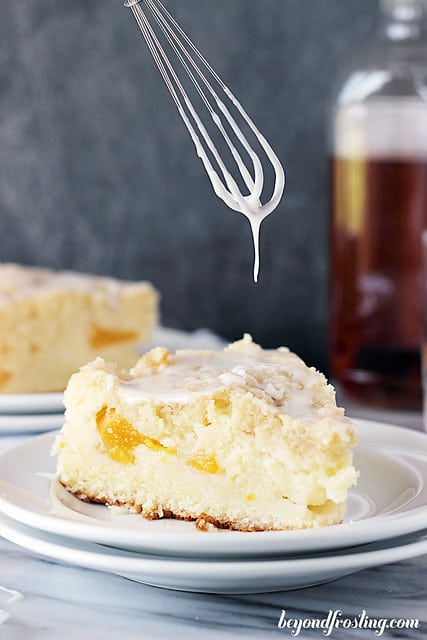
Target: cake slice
{"points": [[51, 323], [244, 438]]}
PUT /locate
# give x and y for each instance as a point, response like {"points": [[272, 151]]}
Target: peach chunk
{"points": [[121, 438]]}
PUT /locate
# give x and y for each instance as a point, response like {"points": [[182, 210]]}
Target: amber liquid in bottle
{"points": [[379, 212]]}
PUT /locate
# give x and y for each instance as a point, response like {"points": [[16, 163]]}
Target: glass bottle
{"points": [[379, 209]]}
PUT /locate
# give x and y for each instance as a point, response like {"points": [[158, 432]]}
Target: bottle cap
{"points": [[405, 10]]}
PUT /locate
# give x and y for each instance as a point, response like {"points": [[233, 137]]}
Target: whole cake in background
{"points": [[245, 438], [53, 322]]}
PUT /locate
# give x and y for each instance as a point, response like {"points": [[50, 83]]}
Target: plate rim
{"points": [[130, 565], [33, 422], [31, 403]]}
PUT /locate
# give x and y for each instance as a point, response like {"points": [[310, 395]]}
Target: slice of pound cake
{"points": [[244, 438], [51, 323]]}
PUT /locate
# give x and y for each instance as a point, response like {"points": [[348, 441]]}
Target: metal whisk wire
{"points": [[191, 61]]}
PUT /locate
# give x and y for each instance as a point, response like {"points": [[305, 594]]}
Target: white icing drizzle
{"points": [[277, 376], [249, 205]]}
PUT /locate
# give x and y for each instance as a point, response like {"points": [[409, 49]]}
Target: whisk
{"points": [[189, 59]]}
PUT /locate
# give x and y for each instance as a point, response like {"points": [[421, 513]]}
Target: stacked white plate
{"points": [[30, 412], [386, 521]]}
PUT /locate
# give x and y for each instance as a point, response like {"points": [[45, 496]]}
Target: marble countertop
{"points": [[44, 600]]}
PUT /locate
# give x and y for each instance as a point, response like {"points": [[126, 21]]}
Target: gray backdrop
{"points": [[98, 174]]}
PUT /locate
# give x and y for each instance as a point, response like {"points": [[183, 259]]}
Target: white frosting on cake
{"points": [[278, 377]]}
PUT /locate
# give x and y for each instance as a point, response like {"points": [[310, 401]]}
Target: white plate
{"points": [[213, 576], [390, 500], [27, 403], [33, 423]]}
